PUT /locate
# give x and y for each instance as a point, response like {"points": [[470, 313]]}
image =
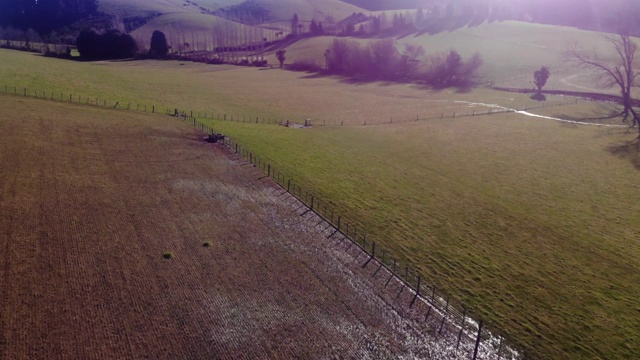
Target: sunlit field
{"points": [[510, 49], [531, 223]]}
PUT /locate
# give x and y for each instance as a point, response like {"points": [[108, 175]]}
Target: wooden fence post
{"points": [[475, 351], [444, 318], [464, 320], [373, 254], [426, 317], [289, 186], [417, 293]]}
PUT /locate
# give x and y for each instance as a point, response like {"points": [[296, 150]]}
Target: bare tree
{"points": [[622, 72], [383, 56], [411, 58]]}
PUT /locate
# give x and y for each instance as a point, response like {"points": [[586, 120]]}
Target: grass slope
{"points": [[126, 8], [321, 10], [202, 31], [530, 222], [379, 5], [509, 48]]}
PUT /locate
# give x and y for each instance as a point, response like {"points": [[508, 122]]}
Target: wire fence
{"points": [[465, 109], [75, 98], [440, 310], [469, 110]]}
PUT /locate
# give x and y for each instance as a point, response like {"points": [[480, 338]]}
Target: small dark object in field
{"points": [[539, 97], [167, 255], [206, 244], [214, 138]]}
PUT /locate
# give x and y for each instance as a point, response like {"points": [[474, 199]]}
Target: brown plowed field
{"points": [[90, 199]]}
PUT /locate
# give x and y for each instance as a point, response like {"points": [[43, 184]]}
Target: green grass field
{"points": [[126, 8], [531, 223], [278, 10], [202, 31], [509, 49]]}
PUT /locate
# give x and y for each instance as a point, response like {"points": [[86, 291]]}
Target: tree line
{"points": [[44, 15], [382, 60]]}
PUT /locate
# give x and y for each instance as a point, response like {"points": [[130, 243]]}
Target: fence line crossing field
{"points": [[530, 222]]}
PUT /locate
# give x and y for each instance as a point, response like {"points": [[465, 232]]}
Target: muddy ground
{"points": [[91, 199]]}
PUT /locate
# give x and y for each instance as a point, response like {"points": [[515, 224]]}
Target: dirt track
{"points": [[89, 201]]}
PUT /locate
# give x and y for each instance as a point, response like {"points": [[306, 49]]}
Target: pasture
{"points": [[127, 8], [531, 223], [509, 49], [202, 32], [328, 11]]}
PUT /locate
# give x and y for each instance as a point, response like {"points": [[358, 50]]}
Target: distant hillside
{"points": [[509, 48], [130, 8], [379, 5], [188, 32], [329, 11], [242, 10], [607, 15]]}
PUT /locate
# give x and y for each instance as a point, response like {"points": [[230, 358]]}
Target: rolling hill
{"points": [[129, 8], [202, 32], [275, 10], [509, 48], [379, 5]]}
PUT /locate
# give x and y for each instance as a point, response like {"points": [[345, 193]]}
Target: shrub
{"points": [[444, 70], [110, 45], [167, 255]]}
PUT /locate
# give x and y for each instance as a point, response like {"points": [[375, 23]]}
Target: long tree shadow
{"points": [[608, 115], [352, 80], [629, 151]]}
